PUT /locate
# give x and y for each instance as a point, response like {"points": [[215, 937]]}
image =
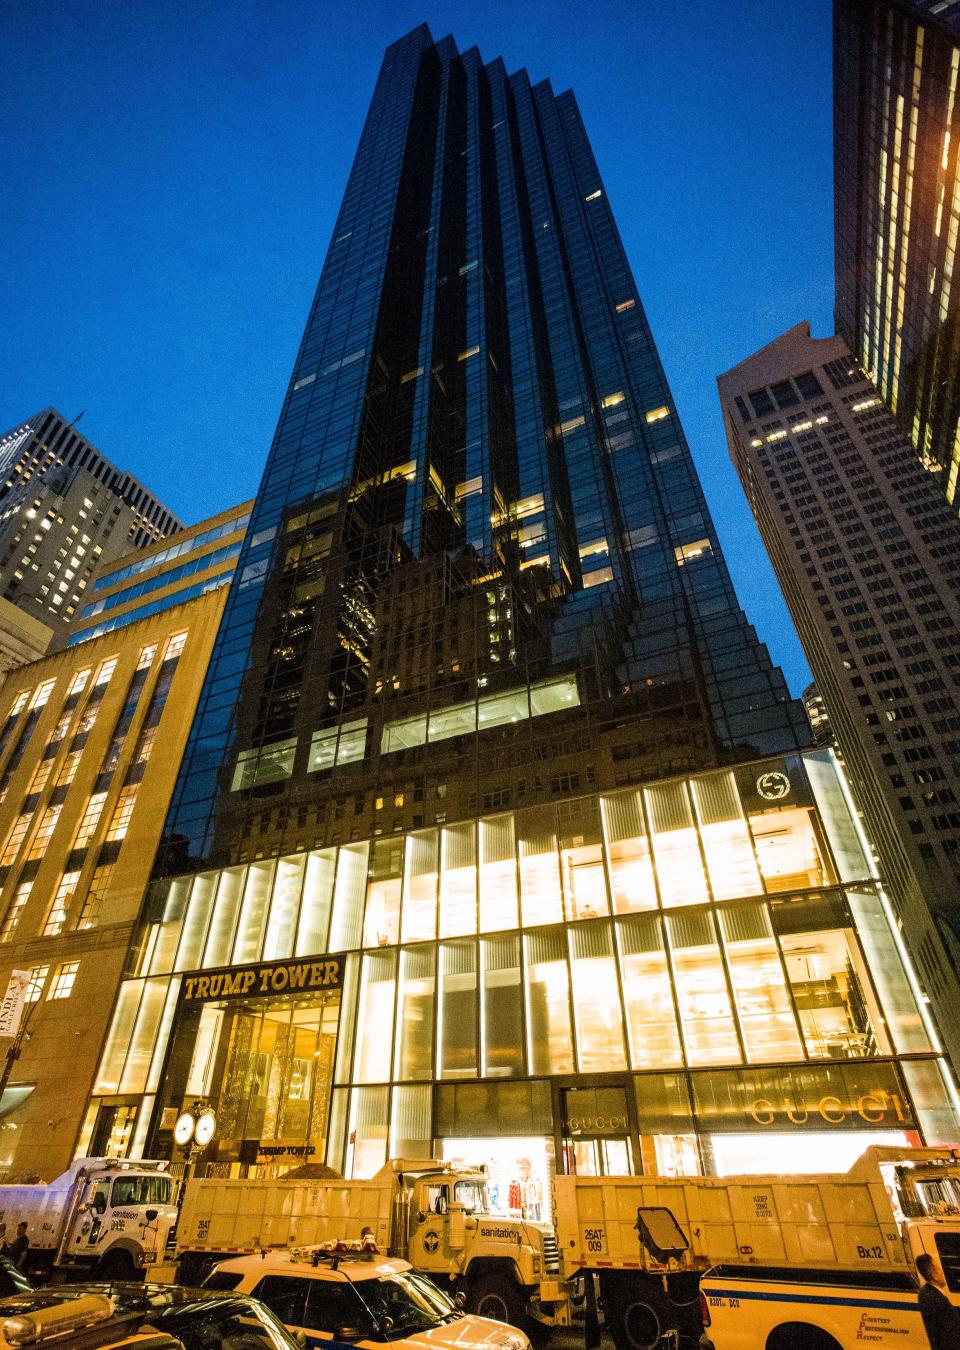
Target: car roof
{"points": [[287, 1263]]}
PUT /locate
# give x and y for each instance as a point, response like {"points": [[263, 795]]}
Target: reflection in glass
{"points": [[457, 1023], [278, 939], [502, 1010], [759, 985], [253, 912], [220, 937], [628, 853], [596, 1000], [706, 1019], [548, 1003], [415, 1006], [498, 874], [726, 840], [676, 849], [348, 896], [648, 994], [367, 1134]]}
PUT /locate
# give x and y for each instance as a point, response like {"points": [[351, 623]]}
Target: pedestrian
{"points": [[18, 1248], [941, 1320]]}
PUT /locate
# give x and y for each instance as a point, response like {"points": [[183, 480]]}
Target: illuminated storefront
{"points": [[678, 977]]}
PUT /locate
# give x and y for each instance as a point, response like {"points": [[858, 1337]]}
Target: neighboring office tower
{"points": [[868, 555], [480, 565], [64, 510], [90, 745], [897, 167]]}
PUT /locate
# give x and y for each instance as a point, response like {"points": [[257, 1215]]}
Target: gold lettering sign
{"points": [[264, 979]]}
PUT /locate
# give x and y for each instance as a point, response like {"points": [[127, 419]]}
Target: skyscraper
{"points": [[868, 555], [64, 510], [486, 729], [897, 142]]}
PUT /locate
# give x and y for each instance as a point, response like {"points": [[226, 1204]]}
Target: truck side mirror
{"points": [[151, 1214]]}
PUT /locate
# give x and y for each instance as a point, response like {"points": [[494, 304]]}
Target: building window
{"points": [[61, 986], [38, 978], [15, 908], [60, 905]]}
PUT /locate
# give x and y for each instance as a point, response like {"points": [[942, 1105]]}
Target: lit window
{"points": [[864, 404], [776, 436], [597, 578], [57, 917], [594, 195], [120, 821], [624, 305], [38, 978], [687, 552], [470, 351], [15, 908], [612, 400], [88, 824], [93, 903], [61, 986], [658, 414]]}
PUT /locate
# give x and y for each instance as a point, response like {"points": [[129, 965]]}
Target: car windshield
{"points": [[405, 1300], [223, 1324], [472, 1195]]}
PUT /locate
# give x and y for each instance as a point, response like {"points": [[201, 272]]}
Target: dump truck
{"points": [[427, 1212], [779, 1262], [106, 1216]]}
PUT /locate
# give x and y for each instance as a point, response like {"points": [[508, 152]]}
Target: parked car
{"points": [[321, 1294], [135, 1314]]}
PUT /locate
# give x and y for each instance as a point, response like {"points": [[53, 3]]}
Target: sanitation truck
{"points": [[819, 1262], [105, 1216], [430, 1213]]}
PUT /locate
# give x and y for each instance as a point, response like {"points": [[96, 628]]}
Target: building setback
{"points": [[64, 510], [868, 555], [90, 744], [482, 693], [897, 207]]}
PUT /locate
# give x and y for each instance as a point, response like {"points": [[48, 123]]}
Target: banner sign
{"points": [[12, 1005], [263, 979]]}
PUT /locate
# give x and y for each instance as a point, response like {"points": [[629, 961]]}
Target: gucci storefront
{"points": [[698, 975]]}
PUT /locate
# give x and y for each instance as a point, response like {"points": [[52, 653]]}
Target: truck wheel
{"points": [[496, 1297], [801, 1336], [636, 1317], [118, 1265]]}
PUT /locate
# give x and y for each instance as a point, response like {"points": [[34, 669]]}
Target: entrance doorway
{"points": [[598, 1131], [266, 1067]]}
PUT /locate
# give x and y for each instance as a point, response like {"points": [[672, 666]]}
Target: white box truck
{"points": [[784, 1263], [429, 1213], [105, 1216]]}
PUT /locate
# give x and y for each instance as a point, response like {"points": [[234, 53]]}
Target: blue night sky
{"points": [[171, 172]]}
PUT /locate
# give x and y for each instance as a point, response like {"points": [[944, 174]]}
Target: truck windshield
{"points": [[472, 1195], [409, 1301], [147, 1189]]}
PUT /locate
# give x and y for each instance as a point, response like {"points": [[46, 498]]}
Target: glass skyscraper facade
{"points": [[897, 205], [495, 833]]}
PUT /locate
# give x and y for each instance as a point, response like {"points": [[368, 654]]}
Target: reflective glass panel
{"points": [[348, 893], [381, 923], [540, 896], [648, 994], [898, 999], [676, 848], [706, 1019], [502, 1010], [315, 904], [596, 1000], [498, 874], [458, 880], [549, 1040], [726, 839], [581, 859], [281, 924], [628, 853], [253, 912], [420, 887], [759, 984], [225, 910], [415, 1012], [378, 984], [788, 850], [457, 1026]]}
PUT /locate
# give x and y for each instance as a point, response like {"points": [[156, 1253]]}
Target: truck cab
{"points": [[508, 1268]]}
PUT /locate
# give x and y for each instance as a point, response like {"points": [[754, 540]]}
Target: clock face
{"points": [[183, 1130], [206, 1125]]}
